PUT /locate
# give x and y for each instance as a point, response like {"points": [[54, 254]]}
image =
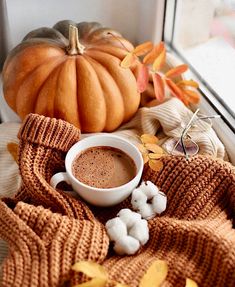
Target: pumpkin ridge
{"points": [[66, 97], [124, 78], [43, 106], [114, 110], [91, 103], [27, 99], [8, 79], [113, 51]]}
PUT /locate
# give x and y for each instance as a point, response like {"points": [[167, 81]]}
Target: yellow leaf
{"points": [[145, 157], [128, 60], [191, 96], [121, 285], [142, 148], [155, 165], [160, 61], [155, 274], [13, 150], [95, 282], [154, 156], [154, 148], [91, 269], [152, 55], [190, 283], [189, 83], [147, 138], [174, 72], [142, 49]]}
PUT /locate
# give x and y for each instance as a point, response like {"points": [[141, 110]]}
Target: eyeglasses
{"points": [[185, 144]]}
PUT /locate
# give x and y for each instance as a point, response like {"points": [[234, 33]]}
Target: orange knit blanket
{"points": [[48, 230]]}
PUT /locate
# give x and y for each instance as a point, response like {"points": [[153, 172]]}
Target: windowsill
{"points": [[214, 60]]}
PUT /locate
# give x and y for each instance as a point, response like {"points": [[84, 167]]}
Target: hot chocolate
{"points": [[103, 167]]}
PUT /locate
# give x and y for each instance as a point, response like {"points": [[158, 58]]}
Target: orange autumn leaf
{"points": [[148, 139], [13, 150], [142, 148], [155, 165], [154, 148], [156, 51], [158, 85], [129, 60], [142, 49], [175, 90], [174, 72], [154, 156], [142, 78], [188, 83], [145, 157], [192, 96], [160, 60]]}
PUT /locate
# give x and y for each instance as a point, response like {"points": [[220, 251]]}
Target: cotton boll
{"points": [[146, 211], [116, 228], [138, 198], [159, 202], [140, 231], [126, 245], [129, 217], [149, 189]]}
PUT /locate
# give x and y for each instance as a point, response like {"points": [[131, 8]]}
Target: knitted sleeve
{"points": [[44, 245], [43, 145]]}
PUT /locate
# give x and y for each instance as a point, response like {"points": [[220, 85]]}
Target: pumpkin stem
{"points": [[75, 47]]}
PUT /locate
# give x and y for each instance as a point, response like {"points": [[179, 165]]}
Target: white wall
{"points": [[26, 15], [137, 20]]}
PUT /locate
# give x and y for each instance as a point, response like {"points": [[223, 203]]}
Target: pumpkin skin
{"points": [[52, 73]]}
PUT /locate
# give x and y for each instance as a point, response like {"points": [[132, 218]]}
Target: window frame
{"points": [[211, 102]]}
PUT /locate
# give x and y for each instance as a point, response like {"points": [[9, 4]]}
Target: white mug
{"points": [[94, 195]]}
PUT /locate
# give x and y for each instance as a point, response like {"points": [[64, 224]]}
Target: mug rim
{"points": [[139, 169]]}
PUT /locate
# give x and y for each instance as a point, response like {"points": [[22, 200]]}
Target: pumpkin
{"points": [[72, 72]]}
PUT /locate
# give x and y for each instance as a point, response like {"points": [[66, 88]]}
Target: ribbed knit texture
{"points": [[48, 230]]}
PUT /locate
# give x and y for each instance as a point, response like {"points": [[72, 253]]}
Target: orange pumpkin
{"points": [[72, 72]]}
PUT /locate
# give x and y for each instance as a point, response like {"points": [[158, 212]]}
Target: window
{"points": [[202, 34]]}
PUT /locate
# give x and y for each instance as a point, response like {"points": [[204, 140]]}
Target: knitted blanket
{"points": [[48, 230]]}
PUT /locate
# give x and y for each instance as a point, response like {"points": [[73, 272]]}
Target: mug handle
{"points": [[59, 177]]}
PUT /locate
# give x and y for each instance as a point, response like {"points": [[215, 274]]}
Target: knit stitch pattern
{"points": [[48, 230]]}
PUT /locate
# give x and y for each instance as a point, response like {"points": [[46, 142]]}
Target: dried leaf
{"points": [[190, 283], [154, 155], [147, 138], [192, 96], [158, 87], [155, 274], [175, 90], [189, 83], [176, 71], [154, 148], [13, 150], [142, 148], [155, 165], [143, 78], [156, 51], [160, 60], [95, 282], [145, 157], [91, 269], [129, 60], [142, 49], [121, 285]]}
